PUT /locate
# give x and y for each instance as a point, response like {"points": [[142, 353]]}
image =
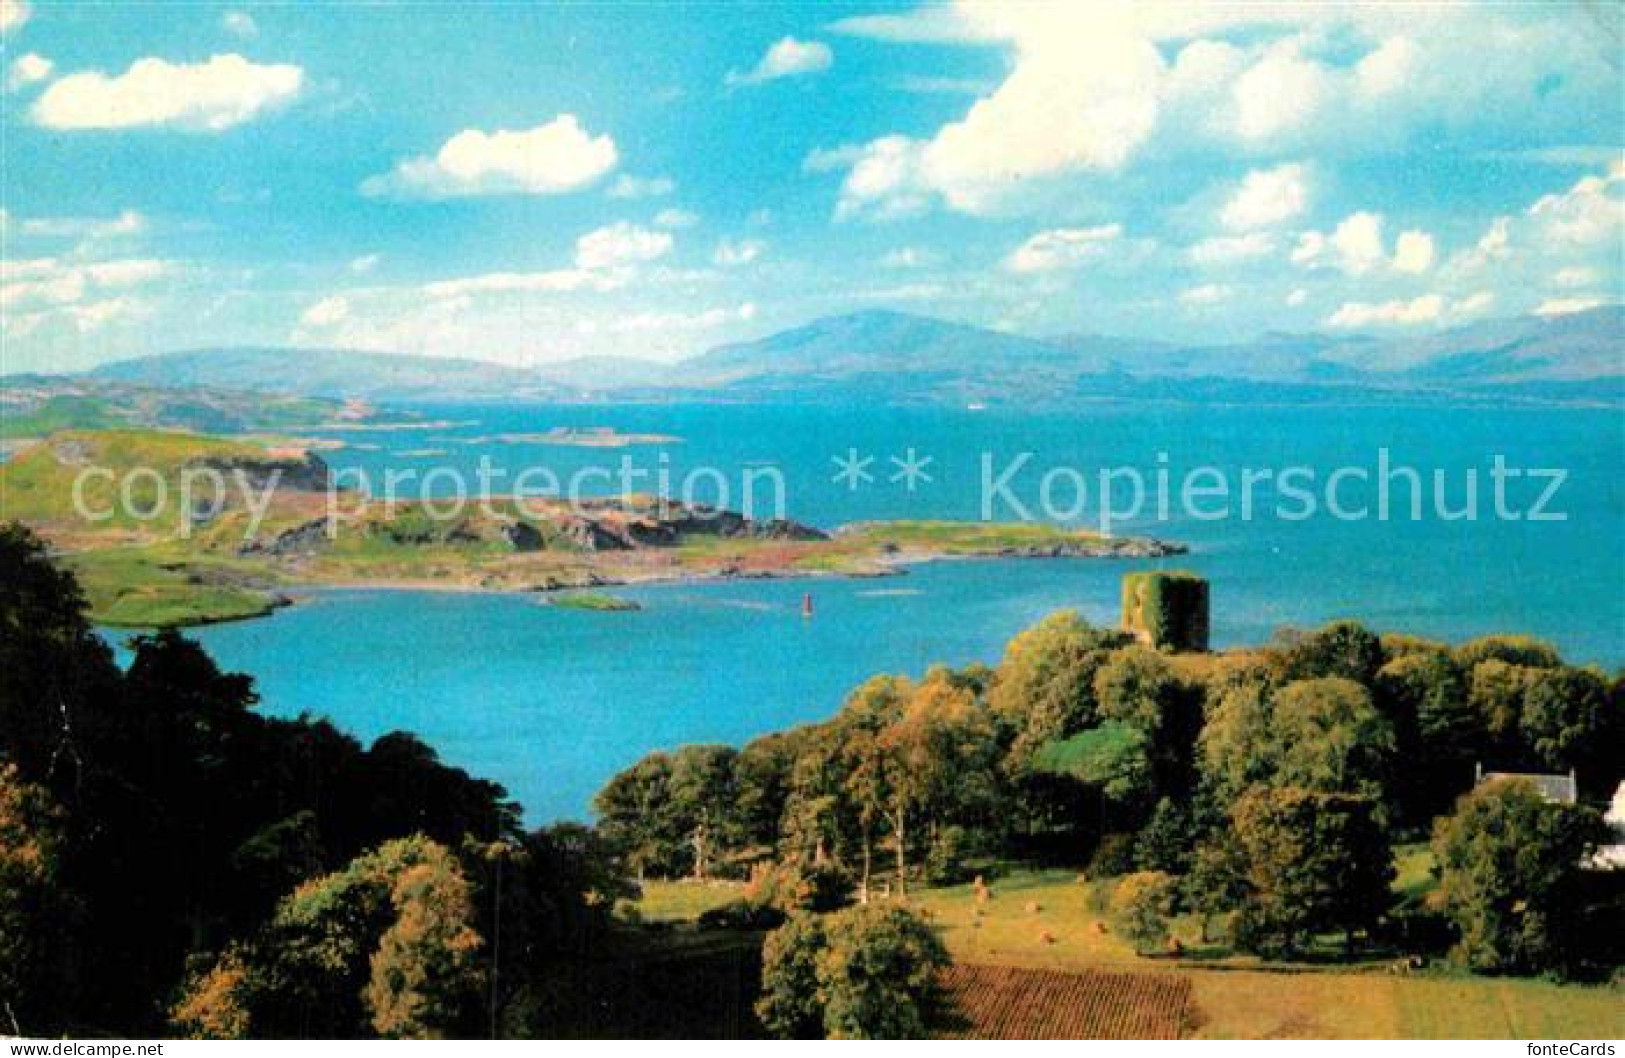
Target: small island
{"points": [[212, 561], [593, 601]]}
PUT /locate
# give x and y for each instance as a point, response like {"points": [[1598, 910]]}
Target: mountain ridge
{"points": [[884, 356]]}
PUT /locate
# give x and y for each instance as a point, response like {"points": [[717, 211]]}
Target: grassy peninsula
{"points": [[153, 553]]}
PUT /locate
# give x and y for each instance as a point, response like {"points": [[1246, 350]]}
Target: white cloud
{"points": [[787, 57], [1575, 277], [326, 312], [49, 281], [212, 96], [1062, 248], [906, 257], [1413, 252], [1266, 197], [1088, 88], [1494, 245], [1355, 246], [1566, 306], [1588, 213], [1297, 297], [628, 186], [239, 24], [621, 244], [28, 69], [365, 263], [1424, 309], [13, 13], [1279, 93], [1428, 308], [549, 159], [1206, 294], [665, 322], [605, 259], [129, 222], [556, 281], [1228, 249], [732, 254], [676, 218]]}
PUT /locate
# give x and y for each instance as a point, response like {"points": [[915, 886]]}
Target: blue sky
{"points": [[531, 183]]}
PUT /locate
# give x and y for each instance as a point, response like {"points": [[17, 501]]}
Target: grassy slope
{"points": [[1043, 919]]}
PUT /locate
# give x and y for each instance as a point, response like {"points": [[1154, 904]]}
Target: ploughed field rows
{"points": [[1010, 1003]]}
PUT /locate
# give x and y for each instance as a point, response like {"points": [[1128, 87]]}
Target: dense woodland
{"points": [[174, 862]]}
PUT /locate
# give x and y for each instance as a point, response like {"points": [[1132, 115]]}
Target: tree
{"points": [[1522, 651], [1568, 722], [1217, 881], [1424, 696], [1330, 737], [1237, 746], [1495, 690], [1344, 649], [877, 975], [937, 760], [1140, 908], [866, 973], [1043, 689], [385, 945], [762, 774], [1511, 871], [1315, 862], [702, 796], [1167, 841], [1137, 686], [790, 1007], [33, 918], [634, 814]]}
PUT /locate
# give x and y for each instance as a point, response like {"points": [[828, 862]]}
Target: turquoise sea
{"points": [[551, 701]]}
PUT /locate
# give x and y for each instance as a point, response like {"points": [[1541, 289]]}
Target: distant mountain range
{"points": [[894, 358]]}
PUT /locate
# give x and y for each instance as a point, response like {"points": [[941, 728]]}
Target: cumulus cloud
{"points": [[732, 254], [621, 244], [1061, 248], [211, 96], [28, 69], [1357, 247], [1427, 308], [240, 24], [1413, 252], [1589, 213], [13, 13], [628, 186], [676, 218], [365, 263], [1228, 249], [129, 222], [605, 260], [549, 159], [48, 281], [1090, 86], [1424, 309], [788, 57], [1566, 306], [1279, 93], [1266, 197], [326, 312], [1297, 297], [1206, 294], [907, 257]]}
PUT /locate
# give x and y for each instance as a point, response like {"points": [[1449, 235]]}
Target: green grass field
{"points": [[1044, 919]]}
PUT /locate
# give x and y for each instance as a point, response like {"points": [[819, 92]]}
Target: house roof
{"points": [[1561, 788]]}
